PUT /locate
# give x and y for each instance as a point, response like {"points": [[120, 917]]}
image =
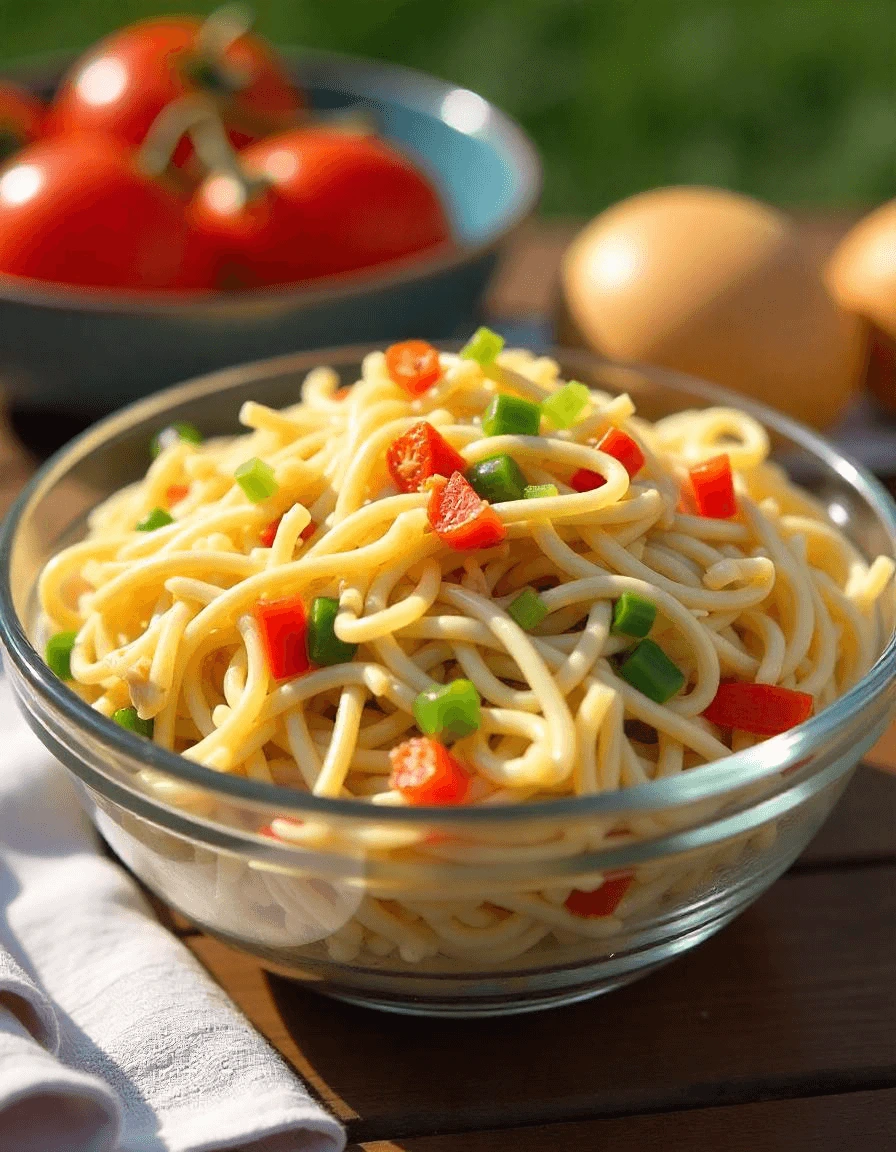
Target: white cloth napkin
{"points": [[112, 1037], [39, 1096]]}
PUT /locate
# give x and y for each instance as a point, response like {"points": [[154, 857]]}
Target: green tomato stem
{"points": [[222, 28], [197, 115]]}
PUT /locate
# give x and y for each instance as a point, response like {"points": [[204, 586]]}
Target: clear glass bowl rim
{"points": [[734, 771]]}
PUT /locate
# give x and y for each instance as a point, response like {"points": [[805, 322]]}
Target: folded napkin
{"points": [[39, 1096], [112, 1037]]}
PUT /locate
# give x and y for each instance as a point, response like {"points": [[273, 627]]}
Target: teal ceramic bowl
{"points": [[87, 352]]}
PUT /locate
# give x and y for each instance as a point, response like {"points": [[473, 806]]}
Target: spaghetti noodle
{"points": [[599, 595]]}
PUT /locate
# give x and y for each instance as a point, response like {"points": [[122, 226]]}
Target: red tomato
{"points": [[414, 365], [425, 772], [460, 518], [334, 202], [21, 118], [419, 454], [120, 86], [77, 210]]}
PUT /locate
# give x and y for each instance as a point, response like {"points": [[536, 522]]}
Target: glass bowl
{"points": [[439, 911]]}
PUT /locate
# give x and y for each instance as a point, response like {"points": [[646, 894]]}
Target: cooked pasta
{"points": [[278, 605]]}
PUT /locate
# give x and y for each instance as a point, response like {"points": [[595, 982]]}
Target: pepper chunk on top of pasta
{"points": [[462, 580]]}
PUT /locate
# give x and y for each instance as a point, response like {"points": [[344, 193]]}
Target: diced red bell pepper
{"points": [[174, 493], [713, 487], [425, 772], [586, 480], [414, 365], [284, 630], [267, 534], [686, 505], [621, 447], [420, 453], [763, 709], [602, 901], [461, 519]]}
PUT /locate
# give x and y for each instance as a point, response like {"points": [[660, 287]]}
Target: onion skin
{"points": [[861, 275], [718, 285], [862, 271]]}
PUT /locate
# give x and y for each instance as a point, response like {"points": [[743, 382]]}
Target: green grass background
{"points": [[792, 101]]}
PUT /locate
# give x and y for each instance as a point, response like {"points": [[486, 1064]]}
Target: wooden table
{"points": [[779, 1033]]}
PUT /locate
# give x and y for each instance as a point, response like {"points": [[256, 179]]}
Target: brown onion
{"points": [[861, 275], [719, 285]]}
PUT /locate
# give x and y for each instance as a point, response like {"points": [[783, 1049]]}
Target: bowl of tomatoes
{"points": [[184, 197]]}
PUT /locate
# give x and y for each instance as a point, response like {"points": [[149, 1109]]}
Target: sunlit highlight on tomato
{"points": [[102, 82], [21, 184]]}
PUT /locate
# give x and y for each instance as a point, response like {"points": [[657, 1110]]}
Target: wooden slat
{"points": [[527, 282], [862, 826], [16, 465], [861, 1120], [795, 998]]}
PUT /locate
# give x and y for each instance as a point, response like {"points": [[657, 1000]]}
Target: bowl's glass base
{"points": [[503, 994], [512, 1007]]}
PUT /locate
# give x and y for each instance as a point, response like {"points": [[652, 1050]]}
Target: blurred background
{"points": [[790, 101]]}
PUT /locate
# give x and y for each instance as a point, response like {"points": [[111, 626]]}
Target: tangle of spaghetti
{"points": [[167, 621]]}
